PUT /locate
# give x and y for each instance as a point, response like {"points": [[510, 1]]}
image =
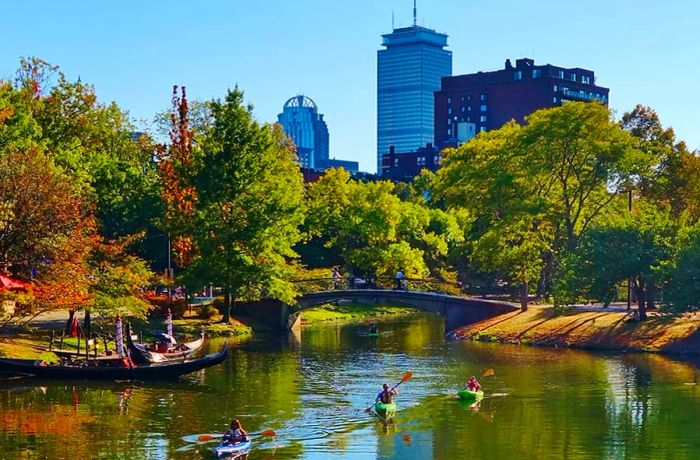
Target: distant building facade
{"points": [[468, 104], [302, 122], [353, 167], [409, 70], [404, 166]]}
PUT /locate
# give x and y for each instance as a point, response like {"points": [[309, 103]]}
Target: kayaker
{"points": [[235, 433], [373, 329], [386, 396], [473, 384]]}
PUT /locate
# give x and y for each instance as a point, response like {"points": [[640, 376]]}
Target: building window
{"points": [[469, 98], [449, 110], [469, 109], [461, 98], [449, 100], [482, 118], [556, 88], [436, 160], [482, 97], [573, 77], [483, 107], [396, 162], [560, 74], [518, 75], [555, 100], [420, 161], [536, 73], [449, 131], [469, 118], [462, 108], [586, 79], [482, 129]]}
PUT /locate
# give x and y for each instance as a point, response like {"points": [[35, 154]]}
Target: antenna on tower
{"points": [[415, 16], [392, 20]]}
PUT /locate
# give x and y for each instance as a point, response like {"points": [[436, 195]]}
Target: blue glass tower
{"points": [[408, 73], [302, 122]]}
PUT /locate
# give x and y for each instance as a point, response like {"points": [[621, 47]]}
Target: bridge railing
{"points": [[382, 282]]}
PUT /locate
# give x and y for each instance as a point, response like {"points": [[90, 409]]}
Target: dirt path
{"points": [[589, 327]]}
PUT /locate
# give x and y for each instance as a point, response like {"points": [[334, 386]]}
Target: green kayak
{"points": [[385, 410], [466, 395]]}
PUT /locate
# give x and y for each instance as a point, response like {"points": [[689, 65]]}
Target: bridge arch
{"points": [[457, 310]]}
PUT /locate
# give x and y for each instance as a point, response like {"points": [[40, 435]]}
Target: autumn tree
{"points": [[177, 169]]}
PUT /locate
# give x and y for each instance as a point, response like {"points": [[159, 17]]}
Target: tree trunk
{"points": [[545, 276], [641, 301], [69, 323], [650, 297], [524, 293], [227, 306]]}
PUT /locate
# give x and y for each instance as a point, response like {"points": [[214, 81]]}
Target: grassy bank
{"points": [[213, 327], [352, 313], [593, 329]]}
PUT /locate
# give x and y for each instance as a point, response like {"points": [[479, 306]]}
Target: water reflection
{"points": [[311, 390]]}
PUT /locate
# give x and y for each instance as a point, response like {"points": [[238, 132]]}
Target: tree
{"points": [[46, 229], [683, 293], [248, 207], [372, 231], [546, 182], [177, 168], [674, 177], [623, 249]]}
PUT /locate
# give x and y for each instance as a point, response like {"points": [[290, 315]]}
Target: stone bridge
{"points": [[458, 311]]}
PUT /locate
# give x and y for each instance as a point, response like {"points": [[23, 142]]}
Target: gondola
{"points": [[141, 355], [110, 370]]}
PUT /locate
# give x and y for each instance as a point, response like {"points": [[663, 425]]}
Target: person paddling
{"points": [[386, 396], [472, 384], [373, 329], [235, 434]]}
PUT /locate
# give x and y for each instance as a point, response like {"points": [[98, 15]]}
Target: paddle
{"points": [[406, 377], [210, 437]]}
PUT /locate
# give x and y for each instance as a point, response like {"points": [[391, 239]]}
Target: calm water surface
{"points": [[312, 389]]}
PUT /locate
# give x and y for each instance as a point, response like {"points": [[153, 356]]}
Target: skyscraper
{"points": [[302, 122], [408, 72]]}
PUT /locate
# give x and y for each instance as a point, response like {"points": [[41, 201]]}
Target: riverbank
{"points": [[348, 313], [588, 329]]}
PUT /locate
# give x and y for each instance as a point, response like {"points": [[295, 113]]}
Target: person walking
{"points": [[400, 279]]}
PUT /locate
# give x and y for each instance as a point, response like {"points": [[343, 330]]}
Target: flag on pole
{"points": [[169, 323], [120, 338]]}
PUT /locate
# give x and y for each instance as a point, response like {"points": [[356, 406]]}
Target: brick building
{"points": [[468, 104]]}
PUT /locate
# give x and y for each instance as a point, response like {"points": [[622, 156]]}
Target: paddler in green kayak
{"points": [[472, 384], [386, 396]]}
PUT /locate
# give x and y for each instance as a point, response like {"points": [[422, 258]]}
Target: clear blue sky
{"points": [[134, 51]]}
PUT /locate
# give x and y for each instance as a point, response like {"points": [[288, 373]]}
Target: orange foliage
{"points": [[175, 167]]}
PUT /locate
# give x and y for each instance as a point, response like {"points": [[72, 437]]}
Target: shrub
{"points": [[207, 311]]}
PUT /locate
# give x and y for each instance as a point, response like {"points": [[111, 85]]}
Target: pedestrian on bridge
{"points": [[400, 280], [337, 278]]}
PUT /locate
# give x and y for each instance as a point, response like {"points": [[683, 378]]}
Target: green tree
{"points": [[546, 183], [683, 292], [249, 206], [636, 248], [674, 179], [372, 231]]}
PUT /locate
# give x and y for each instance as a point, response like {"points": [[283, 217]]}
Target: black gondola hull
{"points": [[151, 372]]}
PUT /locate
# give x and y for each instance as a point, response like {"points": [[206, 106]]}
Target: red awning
{"points": [[12, 284]]}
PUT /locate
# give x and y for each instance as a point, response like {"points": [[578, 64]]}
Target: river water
{"points": [[311, 390]]}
